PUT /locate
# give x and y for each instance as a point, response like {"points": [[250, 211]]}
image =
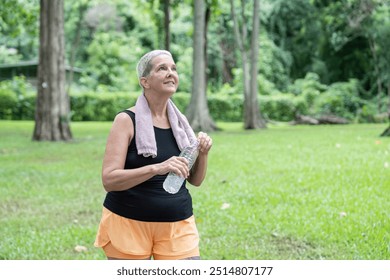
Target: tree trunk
{"points": [[253, 117], [387, 130], [198, 112], [75, 45], [371, 43], [240, 39], [52, 116], [227, 76], [206, 26], [244, 55], [167, 20]]}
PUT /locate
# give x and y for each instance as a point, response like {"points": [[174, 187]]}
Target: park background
{"points": [[276, 188]]}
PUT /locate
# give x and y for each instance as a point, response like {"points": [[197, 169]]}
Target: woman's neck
{"points": [[158, 109]]}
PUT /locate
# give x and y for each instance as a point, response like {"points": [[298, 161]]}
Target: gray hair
{"points": [[144, 66]]}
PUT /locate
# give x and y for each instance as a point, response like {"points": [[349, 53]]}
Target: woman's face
{"points": [[163, 77]]}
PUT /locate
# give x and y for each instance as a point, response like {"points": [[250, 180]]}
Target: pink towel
{"points": [[144, 131]]}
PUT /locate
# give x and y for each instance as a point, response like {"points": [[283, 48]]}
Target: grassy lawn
{"points": [[299, 192]]}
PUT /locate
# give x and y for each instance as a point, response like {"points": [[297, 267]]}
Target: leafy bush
{"points": [[8, 104], [26, 106], [367, 114], [112, 59], [181, 100], [100, 107], [341, 99], [222, 107], [274, 63], [370, 112], [311, 82], [266, 87], [281, 107], [309, 88], [16, 101], [184, 66], [227, 108]]}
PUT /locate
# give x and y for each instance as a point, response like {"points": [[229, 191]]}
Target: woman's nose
{"points": [[169, 72]]}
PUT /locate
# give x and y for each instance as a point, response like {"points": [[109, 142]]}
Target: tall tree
{"points": [[379, 34], [252, 115], [294, 27], [167, 20], [198, 112], [52, 114], [82, 7], [161, 14]]}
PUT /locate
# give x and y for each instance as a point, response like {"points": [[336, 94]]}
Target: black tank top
{"points": [[148, 201]]}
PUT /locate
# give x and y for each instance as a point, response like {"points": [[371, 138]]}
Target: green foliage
{"points": [[9, 55], [112, 62], [369, 114], [281, 107], [338, 40], [16, 100], [274, 63], [380, 39], [311, 82], [23, 22], [18, 103], [181, 100], [226, 107], [184, 68], [8, 102], [18, 30], [99, 107], [309, 89], [266, 87], [294, 27], [341, 99]]}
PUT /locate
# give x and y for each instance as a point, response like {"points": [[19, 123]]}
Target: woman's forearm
{"points": [[198, 171], [123, 179]]}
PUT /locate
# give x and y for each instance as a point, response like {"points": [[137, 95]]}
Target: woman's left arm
{"points": [[198, 171]]}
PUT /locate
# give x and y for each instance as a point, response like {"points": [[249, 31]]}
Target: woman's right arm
{"points": [[114, 176]]}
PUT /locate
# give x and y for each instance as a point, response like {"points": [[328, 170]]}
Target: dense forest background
{"points": [[316, 57]]}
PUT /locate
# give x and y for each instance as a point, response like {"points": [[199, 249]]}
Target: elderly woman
{"points": [[140, 219]]}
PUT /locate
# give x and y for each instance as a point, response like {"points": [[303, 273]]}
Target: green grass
{"points": [[290, 192]]}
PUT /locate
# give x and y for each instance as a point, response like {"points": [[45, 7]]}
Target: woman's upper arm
{"points": [[119, 138]]}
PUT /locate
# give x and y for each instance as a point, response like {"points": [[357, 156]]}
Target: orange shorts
{"points": [[123, 238]]}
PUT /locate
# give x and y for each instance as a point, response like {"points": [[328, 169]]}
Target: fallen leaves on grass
{"points": [[80, 249], [225, 206], [343, 214]]}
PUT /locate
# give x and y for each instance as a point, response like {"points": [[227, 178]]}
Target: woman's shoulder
{"points": [[125, 116], [131, 109], [129, 112]]}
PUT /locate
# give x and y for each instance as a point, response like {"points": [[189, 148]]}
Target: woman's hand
{"points": [[205, 143], [199, 169], [177, 165]]}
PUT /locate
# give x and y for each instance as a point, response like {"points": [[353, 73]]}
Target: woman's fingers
{"points": [[205, 142], [181, 167], [177, 165]]}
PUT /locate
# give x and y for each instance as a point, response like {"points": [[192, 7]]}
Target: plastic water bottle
{"points": [[173, 182]]}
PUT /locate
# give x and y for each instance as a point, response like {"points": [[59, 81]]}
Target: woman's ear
{"points": [[144, 82]]}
